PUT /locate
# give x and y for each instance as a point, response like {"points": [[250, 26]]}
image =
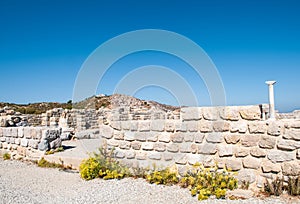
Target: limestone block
{"points": [[293, 134], [249, 140], [220, 126], [194, 158], [206, 126], [194, 148], [240, 194], [199, 137], [144, 126], [240, 127], [55, 143], [269, 167], [168, 156], [257, 152], [189, 137], [14, 132], [17, 141], [134, 125], [148, 146], [124, 145], [267, 142], [232, 139], [169, 126], [21, 151], [182, 160], [113, 143], [1, 132], [125, 125], [12, 140], [86, 134], [191, 113], [2, 139], [177, 137], [141, 155], [136, 145], [130, 154], [257, 127], [225, 150], [155, 156], [157, 125], [106, 131], [143, 136], [241, 152], [180, 126], [115, 125], [251, 163], [159, 147], [186, 147], [173, 148], [291, 168], [6, 132], [210, 113], [24, 142], [250, 113], [33, 133], [247, 175], [129, 136], [280, 156], [118, 135], [207, 148], [33, 143], [164, 137], [298, 154], [214, 137], [42, 146], [294, 124], [153, 138], [230, 113], [288, 144], [192, 126], [274, 128], [120, 154], [233, 164]]}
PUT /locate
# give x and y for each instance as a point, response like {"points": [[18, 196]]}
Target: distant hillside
{"points": [[96, 102]]}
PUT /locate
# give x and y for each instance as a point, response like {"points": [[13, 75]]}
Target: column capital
{"points": [[270, 82]]}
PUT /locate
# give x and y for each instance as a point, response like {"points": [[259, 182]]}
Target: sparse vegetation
{"points": [[52, 151], [46, 164], [6, 156], [278, 186]]}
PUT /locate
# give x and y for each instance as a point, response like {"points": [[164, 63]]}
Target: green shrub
{"points": [[102, 165], [205, 182], [6, 156]]}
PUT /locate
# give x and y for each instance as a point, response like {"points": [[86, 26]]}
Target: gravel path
{"points": [[26, 183]]}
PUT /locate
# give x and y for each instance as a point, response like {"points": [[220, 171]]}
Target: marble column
{"points": [[271, 99]]}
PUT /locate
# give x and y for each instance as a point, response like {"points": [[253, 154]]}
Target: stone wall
{"points": [[26, 142], [233, 137]]}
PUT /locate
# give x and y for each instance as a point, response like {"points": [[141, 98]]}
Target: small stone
{"points": [[249, 140], [239, 194], [55, 143], [159, 147], [199, 137], [214, 137], [269, 167], [206, 126], [280, 156], [267, 142], [124, 145], [33, 143], [192, 126], [293, 134], [27, 132], [189, 137], [288, 145], [130, 154], [225, 150], [210, 113], [173, 148], [136, 145], [247, 175], [181, 160], [106, 131], [241, 152], [177, 137], [168, 156], [141, 156], [134, 125], [24, 142], [129, 136], [154, 156], [233, 164], [164, 137], [250, 113], [274, 128], [251, 163], [169, 126], [186, 147], [21, 151], [116, 125], [43, 145], [147, 146], [207, 148], [125, 125], [298, 154], [119, 135], [257, 127], [232, 139], [220, 126], [257, 152], [119, 154], [113, 143]]}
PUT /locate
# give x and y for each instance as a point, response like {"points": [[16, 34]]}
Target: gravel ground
{"points": [[26, 183]]}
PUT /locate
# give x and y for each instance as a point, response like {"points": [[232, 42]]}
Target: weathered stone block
{"points": [[106, 131], [191, 113], [298, 153], [118, 135], [125, 125], [115, 125], [291, 168], [141, 156], [293, 134], [27, 132], [249, 140], [280, 156], [21, 151], [182, 160], [186, 147], [180, 126], [154, 137], [143, 136], [206, 126], [124, 145], [113, 143], [169, 126], [14, 132], [129, 136], [168, 156], [257, 152], [267, 142], [144, 126], [288, 145], [269, 167], [130, 154], [220, 126], [24, 142], [2, 139], [274, 128], [241, 152], [157, 125], [214, 137], [164, 137], [136, 145], [207, 148], [232, 139], [194, 158], [147, 146], [12, 140], [210, 113], [1, 132], [120, 154], [55, 143], [229, 113], [251, 113], [233, 164], [225, 150], [199, 137], [257, 127], [247, 175], [240, 127], [192, 126], [155, 156], [17, 141], [177, 137], [33, 143], [159, 147], [188, 137], [134, 125], [251, 163], [173, 148]]}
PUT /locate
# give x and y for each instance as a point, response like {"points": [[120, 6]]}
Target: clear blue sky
{"points": [[43, 44]]}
